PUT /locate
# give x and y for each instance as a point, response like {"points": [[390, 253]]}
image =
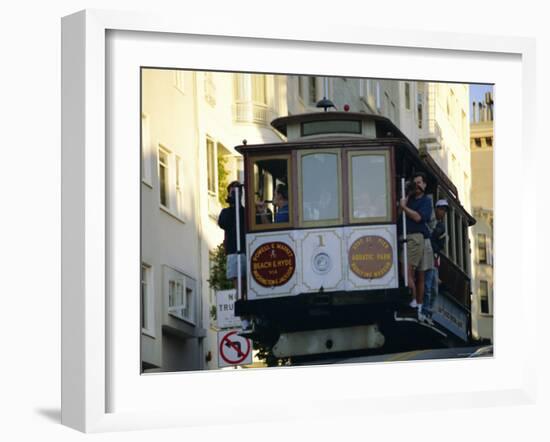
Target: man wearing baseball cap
{"points": [[437, 238]]}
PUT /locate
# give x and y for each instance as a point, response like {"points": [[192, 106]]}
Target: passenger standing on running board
{"points": [[418, 209], [437, 239], [227, 221]]}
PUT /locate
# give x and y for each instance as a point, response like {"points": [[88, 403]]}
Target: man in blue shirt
{"points": [[281, 202], [418, 210], [437, 239]]}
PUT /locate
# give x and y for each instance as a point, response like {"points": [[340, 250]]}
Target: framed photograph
{"points": [[147, 161]]}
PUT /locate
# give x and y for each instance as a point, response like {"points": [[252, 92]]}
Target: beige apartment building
{"points": [[481, 147], [435, 117], [191, 122]]}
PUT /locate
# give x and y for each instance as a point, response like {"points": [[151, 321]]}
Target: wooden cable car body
{"points": [[326, 278]]}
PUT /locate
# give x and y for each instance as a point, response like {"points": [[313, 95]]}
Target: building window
{"points": [[179, 81], [181, 294], [211, 159], [218, 171], [482, 248], [489, 141], [407, 96], [147, 301], [179, 186], [146, 151], [170, 170], [312, 82], [386, 104], [484, 297], [259, 89], [164, 174], [490, 250], [209, 88], [329, 87], [251, 98], [419, 109], [478, 142]]}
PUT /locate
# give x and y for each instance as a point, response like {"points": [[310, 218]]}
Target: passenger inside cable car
{"points": [[271, 190], [280, 203]]}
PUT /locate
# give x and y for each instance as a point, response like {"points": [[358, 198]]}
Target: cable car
{"points": [[322, 246]]}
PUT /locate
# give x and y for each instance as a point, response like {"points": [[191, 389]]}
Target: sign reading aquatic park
{"points": [[370, 257], [273, 264]]}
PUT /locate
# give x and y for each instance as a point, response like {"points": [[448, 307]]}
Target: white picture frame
{"points": [[87, 317]]}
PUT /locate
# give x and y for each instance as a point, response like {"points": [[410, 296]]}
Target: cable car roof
{"points": [[384, 126], [386, 134]]}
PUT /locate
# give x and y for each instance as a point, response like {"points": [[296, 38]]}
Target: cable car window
{"points": [[331, 127], [452, 236], [320, 188], [458, 241], [270, 201], [369, 185]]}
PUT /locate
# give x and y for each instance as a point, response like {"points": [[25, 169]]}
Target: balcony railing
{"points": [[250, 112]]}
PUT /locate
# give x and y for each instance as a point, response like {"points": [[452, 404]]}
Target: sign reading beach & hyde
{"points": [[273, 264]]}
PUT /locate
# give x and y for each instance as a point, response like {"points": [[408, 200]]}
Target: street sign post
{"points": [[233, 349], [225, 310]]}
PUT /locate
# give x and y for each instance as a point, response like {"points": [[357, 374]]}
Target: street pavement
{"points": [[415, 355]]}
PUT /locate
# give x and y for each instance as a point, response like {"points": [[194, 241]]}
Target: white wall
{"points": [[30, 222]]}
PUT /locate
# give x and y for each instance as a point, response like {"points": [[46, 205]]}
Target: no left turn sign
{"points": [[233, 349]]}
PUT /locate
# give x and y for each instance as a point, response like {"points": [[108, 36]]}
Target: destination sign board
{"points": [[370, 257], [451, 316], [273, 264]]}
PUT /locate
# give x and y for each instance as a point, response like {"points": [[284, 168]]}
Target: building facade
{"points": [[191, 122], [481, 146], [434, 116]]}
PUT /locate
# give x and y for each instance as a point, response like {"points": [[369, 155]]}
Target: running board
{"points": [[422, 323], [331, 340]]}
